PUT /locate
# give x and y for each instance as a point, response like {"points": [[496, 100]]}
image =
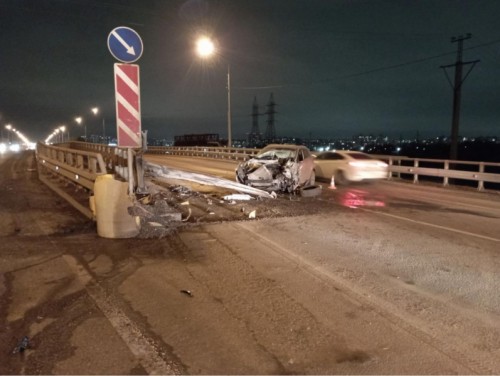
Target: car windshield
{"points": [[360, 156], [276, 154]]}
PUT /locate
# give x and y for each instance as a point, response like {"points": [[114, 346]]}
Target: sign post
{"points": [[128, 105], [126, 46]]}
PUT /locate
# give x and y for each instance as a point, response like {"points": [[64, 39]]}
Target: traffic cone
{"points": [[332, 183]]}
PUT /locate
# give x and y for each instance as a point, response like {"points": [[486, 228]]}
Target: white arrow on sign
{"points": [[130, 49]]}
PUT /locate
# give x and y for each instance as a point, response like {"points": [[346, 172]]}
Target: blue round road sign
{"points": [[125, 44]]}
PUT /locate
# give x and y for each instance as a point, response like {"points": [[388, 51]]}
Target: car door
{"points": [[306, 165], [326, 164]]}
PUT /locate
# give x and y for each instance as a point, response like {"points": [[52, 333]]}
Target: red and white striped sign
{"points": [[128, 105]]}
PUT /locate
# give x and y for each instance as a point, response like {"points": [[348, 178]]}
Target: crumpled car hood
{"points": [[270, 175]]}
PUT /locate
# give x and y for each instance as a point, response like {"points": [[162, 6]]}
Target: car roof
{"points": [[339, 151], [284, 146]]}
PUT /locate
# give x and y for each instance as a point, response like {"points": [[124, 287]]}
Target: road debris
{"points": [[188, 216], [168, 173], [238, 196], [187, 292], [23, 345], [155, 224]]}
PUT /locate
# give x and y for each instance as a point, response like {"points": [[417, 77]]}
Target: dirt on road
{"points": [[72, 328], [217, 294]]}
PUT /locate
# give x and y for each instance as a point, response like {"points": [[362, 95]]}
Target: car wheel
{"points": [[310, 191], [340, 177]]}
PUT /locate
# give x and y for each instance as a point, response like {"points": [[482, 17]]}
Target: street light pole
{"points": [[79, 120], [62, 128], [229, 128], [95, 111], [9, 128], [103, 131], [206, 48]]}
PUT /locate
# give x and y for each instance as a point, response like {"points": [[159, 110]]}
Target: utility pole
{"points": [[270, 129], [457, 88], [254, 136]]}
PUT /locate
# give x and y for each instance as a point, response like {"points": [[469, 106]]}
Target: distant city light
{"points": [[15, 147]]}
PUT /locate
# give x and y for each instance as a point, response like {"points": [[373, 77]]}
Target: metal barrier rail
{"points": [[115, 159], [81, 167], [238, 154], [112, 155], [480, 172], [81, 163], [440, 168]]}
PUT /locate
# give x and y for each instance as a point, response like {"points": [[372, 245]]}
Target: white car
{"points": [[348, 166]]}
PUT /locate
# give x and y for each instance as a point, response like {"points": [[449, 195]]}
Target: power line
{"points": [[375, 70], [457, 89]]}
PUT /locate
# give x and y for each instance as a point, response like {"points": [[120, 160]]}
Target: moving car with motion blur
{"points": [[278, 167], [349, 166]]}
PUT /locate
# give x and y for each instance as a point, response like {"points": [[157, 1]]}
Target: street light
{"points": [[95, 111], [79, 120], [62, 128], [9, 128], [205, 48]]}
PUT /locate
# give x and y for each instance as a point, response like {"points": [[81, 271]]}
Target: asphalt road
{"points": [[370, 279]]}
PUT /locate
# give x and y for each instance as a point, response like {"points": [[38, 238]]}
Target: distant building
{"points": [[206, 139]]}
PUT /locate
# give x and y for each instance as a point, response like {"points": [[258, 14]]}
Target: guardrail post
{"points": [[480, 185], [69, 159], [93, 165], [389, 174], [446, 167], [130, 167], [415, 175]]}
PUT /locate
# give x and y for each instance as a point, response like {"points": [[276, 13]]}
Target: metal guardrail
{"points": [[445, 170], [81, 167], [78, 161], [81, 163], [78, 166], [438, 168], [238, 154]]}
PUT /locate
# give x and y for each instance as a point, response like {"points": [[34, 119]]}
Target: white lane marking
{"points": [[433, 225], [141, 346]]}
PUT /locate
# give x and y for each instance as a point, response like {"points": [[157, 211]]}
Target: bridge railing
{"points": [[238, 154], [81, 163], [81, 167], [443, 170], [437, 169]]}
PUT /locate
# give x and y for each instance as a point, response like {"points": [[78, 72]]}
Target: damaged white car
{"points": [[278, 167]]}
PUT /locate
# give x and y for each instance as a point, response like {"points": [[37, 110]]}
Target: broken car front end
{"points": [[280, 174]]}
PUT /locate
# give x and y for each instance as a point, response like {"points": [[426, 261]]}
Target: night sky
{"points": [[336, 68]]}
